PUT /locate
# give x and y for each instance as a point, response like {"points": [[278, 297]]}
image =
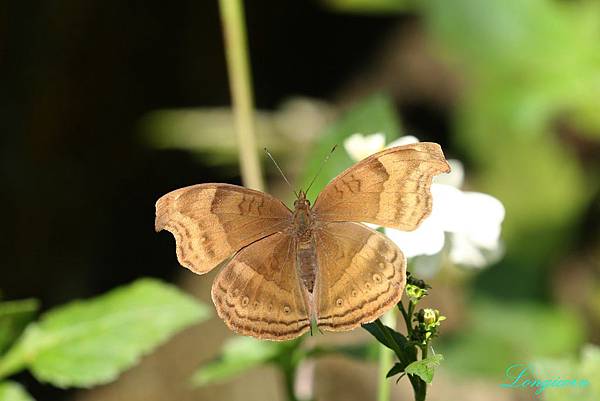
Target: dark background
{"points": [[79, 188]]}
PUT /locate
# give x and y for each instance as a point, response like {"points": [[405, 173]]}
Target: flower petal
{"points": [[455, 177], [447, 207], [427, 239], [403, 140], [360, 146], [465, 252], [482, 218], [426, 266]]}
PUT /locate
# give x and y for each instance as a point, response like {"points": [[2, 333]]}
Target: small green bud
{"points": [[414, 292], [428, 322], [429, 316]]}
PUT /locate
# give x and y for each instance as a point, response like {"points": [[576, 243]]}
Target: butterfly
{"points": [[287, 269]]}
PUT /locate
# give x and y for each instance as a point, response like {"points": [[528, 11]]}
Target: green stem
{"points": [[421, 389], [406, 317], [289, 373], [238, 65], [386, 359], [418, 385]]}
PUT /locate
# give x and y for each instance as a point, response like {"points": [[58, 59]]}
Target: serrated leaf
{"points": [[425, 367], [375, 114], [91, 342], [239, 355], [14, 316], [11, 391]]}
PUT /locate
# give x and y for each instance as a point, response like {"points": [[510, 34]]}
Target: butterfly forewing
{"points": [[259, 293], [361, 275], [389, 188], [210, 222]]}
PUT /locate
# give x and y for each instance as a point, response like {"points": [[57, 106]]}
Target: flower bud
{"points": [[414, 292]]}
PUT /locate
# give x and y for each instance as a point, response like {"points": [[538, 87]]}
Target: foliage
{"points": [[239, 354], [508, 334], [418, 339], [86, 343], [369, 6], [11, 391], [587, 367], [425, 367], [529, 64], [14, 316]]}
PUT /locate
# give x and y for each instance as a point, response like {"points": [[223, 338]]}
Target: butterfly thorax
{"points": [[306, 261]]}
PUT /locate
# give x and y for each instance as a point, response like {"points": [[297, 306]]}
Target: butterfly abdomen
{"points": [[306, 256], [306, 261]]}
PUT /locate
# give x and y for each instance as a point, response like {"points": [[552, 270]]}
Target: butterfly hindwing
{"points": [[258, 292], [361, 275]]}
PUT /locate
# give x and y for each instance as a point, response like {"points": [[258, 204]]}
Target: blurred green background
{"points": [[107, 105]]}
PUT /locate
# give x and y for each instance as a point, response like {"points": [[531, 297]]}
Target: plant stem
{"points": [[386, 359], [406, 319], [418, 385], [289, 373], [238, 65], [421, 388]]}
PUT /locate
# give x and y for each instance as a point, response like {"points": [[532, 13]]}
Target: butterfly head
{"points": [[302, 202]]}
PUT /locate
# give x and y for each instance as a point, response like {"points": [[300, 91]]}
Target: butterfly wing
{"points": [[210, 222], [361, 275], [259, 293], [389, 188]]}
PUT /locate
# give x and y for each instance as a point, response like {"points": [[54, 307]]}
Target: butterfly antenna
{"points": [[280, 171], [320, 168]]}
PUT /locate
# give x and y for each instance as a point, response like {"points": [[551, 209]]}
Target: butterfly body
{"points": [[304, 242], [314, 263]]}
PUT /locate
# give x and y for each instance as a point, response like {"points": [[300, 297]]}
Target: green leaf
{"points": [[86, 343], [376, 331], [369, 6], [396, 369], [14, 316], [209, 132], [375, 114], [407, 348], [425, 367], [398, 343], [11, 391], [239, 355]]}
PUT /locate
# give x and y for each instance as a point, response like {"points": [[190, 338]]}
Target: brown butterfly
{"points": [[287, 268]]}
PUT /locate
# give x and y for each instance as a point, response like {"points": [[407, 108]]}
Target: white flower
{"points": [[470, 221], [360, 146]]}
